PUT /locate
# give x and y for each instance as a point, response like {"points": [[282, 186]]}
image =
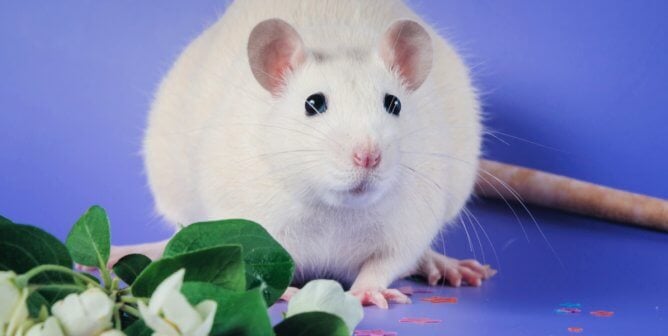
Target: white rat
{"points": [[310, 118], [349, 129]]}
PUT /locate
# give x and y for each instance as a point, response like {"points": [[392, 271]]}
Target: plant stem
{"points": [[130, 310], [106, 277], [22, 280], [71, 287], [117, 318], [130, 299]]}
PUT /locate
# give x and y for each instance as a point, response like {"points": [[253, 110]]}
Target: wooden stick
{"points": [[560, 192]]}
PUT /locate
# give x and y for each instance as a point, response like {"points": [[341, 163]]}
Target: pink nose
{"points": [[365, 158]]}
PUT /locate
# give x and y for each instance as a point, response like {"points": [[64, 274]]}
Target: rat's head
{"points": [[339, 112]]}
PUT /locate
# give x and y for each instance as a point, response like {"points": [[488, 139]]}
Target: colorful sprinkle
{"points": [[419, 320], [575, 329], [566, 310], [375, 332], [602, 313], [440, 299]]}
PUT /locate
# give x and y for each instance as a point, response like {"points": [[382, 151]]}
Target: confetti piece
{"points": [[375, 332], [440, 299], [602, 313], [566, 310], [570, 305], [575, 329], [419, 320]]}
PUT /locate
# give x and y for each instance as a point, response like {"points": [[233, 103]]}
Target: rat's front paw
{"points": [[379, 297], [435, 266]]}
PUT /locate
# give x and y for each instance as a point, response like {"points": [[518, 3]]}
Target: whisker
{"points": [[496, 256], [528, 141], [507, 187], [475, 232], [510, 206], [521, 202], [468, 236]]}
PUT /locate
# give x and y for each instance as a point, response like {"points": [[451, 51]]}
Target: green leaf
{"points": [[138, 328], [35, 302], [238, 313], [127, 320], [220, 265], [130, 266], [58, 291], [311, 324], [4, 220], [25, 247], [89, 240], [266, 260]]}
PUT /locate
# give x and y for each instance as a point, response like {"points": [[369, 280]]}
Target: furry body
{"points": [[219, 145]]}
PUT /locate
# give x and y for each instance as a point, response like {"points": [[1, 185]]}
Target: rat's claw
{"points": [[435, 266], [380, 297], [395, 296]]}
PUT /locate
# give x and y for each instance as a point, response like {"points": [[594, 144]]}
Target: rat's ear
{"points": [[274, 48], [406, 48]]}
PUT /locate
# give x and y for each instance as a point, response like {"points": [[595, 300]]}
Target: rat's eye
{"points": [[315, 103], [392, 104]]}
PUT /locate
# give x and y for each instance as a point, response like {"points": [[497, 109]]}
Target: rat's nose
{"points": [[368, 158]]}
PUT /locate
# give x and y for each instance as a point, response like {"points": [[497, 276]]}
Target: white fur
{"points": [[218, 145]]}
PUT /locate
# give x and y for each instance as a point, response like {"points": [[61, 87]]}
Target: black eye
{"points": [[315, 103], [392, 104]]}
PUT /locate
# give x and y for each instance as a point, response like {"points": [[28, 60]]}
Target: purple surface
{"points": [[606, 267], [587, 79]]}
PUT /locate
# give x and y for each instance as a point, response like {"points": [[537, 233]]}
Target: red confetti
{"points": [[602, 313], [440, 299], [575, 329], [419, 320], [375, 332]]}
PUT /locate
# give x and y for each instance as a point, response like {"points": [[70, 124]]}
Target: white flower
{"points": [[112, 332], [85, 314], [13, 309], [50, 327], [170, 314], [327, 296]]}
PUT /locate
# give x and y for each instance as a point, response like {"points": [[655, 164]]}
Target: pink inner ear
{"points": [[406, 58], [406, 48], [274, 49], [278, 60]]}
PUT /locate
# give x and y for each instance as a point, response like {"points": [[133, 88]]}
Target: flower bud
{"points": [[169, 312], [327, 296], [13, 309], [85, 314], [50, 327]]}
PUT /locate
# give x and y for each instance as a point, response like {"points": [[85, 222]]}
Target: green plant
{"points": [[227, 271]]}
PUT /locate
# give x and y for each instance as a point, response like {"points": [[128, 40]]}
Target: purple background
{"points": [[585, 80]]}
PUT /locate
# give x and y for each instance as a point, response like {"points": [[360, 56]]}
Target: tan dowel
{"points": [[560, 192]]}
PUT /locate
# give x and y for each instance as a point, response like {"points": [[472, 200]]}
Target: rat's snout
{"points": [[367, 157]]}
